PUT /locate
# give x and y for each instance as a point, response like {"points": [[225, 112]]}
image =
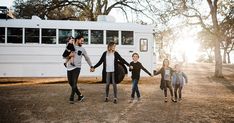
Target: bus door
{"points": [[145, 49]]}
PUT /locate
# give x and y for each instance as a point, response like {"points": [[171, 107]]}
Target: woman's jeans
{"points": [[111, 75]]}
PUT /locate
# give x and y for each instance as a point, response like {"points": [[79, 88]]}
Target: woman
{"points": [[110, 60]]}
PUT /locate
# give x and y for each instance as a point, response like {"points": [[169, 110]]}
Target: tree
{"points": [[227, 41], [227, 28], [74, 9], [207, 45], [190, 10], [166, 40], [195, 13]]}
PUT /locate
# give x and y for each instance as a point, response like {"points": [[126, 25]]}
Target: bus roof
{"points": [[71, 24]]}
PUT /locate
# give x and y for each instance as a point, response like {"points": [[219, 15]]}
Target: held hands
{"points": [[130, 67]]}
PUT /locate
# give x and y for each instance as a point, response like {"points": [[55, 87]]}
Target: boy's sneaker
{"points": [[165, 100], [138, 99], [81, 98], [115, 101], [106, 99], [131, 100]]}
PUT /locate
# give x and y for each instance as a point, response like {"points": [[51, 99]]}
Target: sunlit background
{"points": [[186, 46]]}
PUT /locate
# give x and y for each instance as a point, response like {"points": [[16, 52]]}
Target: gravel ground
{"points": [[205, 100]]}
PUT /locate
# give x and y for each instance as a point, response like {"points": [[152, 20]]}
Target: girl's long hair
{"points": [[165, 61]]}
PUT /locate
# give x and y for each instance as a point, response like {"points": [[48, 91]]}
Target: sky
{"points": [[116, 13], [7, 3]]}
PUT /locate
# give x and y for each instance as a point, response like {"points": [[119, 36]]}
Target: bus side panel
{"points": [[144, 44]]}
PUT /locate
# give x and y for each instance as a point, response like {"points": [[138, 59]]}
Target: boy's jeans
{"points": [[178, 87], [135, 88]]}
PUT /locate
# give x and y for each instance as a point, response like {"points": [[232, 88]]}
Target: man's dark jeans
{"points": [[72, 79]]}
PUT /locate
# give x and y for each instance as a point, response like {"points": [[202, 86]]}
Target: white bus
{"points": [[34, 47]]}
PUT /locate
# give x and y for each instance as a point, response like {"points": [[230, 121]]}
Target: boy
{"points": [[135, 68], [178, 79]]}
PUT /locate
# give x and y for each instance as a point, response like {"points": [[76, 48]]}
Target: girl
{"points": [[110, 60], [166, 73], [135, 67], [178, 81], [68, 54]]}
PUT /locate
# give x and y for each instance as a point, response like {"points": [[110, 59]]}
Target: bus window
{"points": [[143, 45], [85, 33], [96, 36], [31, 35], [14, 35], [2, 35], [112, 36], [48, 36], [63, 35], [127, 37]]}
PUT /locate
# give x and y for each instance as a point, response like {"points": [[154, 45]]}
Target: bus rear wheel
{"points": [[121, 73]]}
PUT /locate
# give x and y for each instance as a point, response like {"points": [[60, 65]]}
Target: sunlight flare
{"points": [[186, 49]]}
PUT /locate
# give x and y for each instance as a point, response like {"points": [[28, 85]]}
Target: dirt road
{"points": [[205, 100]]}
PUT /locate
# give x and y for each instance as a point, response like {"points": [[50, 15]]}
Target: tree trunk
{"points": [[228, 56], [224, 55], [218, 58]]}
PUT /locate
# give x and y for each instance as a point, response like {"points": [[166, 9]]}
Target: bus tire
{"points": [[121, 73]]}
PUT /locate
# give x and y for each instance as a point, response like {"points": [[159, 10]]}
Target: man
{"points": [[73, 71]]}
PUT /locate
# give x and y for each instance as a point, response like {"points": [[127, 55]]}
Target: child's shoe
{"points": [[138, 99], [72, 64], [65, 64], [131, 100], [106, 99], [165, 100], [172, 99], [180, 99], [115, 101]]}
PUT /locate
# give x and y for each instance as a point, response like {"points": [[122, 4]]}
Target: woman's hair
{"points": [[165, 61], [135, 54], [110, 44]]}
